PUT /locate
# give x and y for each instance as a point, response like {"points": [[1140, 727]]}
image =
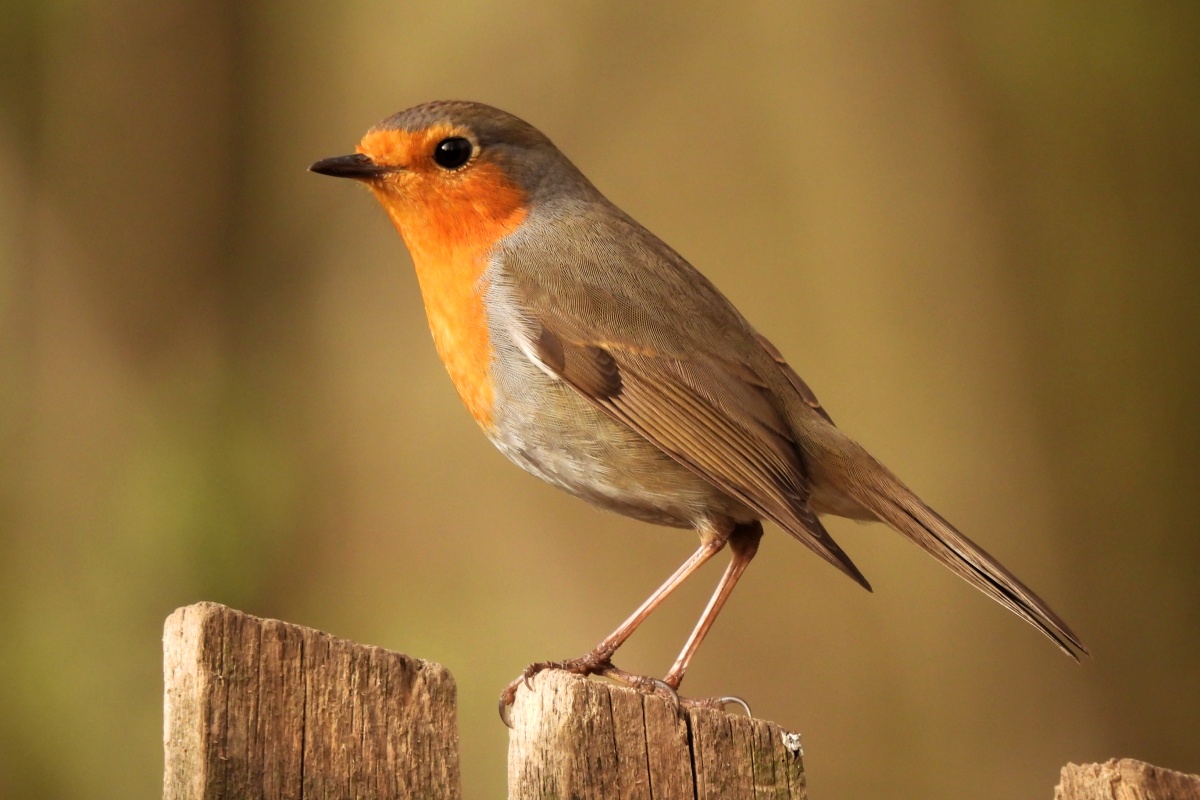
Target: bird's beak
{"points": [[357, 166]]}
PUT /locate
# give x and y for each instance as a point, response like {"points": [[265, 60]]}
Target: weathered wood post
{"points": [[578, 738], [1125, 779], [258, 708]]}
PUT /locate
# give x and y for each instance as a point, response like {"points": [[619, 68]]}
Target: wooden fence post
{"points": [[585, 739], [1125, 779], [258, 708]]}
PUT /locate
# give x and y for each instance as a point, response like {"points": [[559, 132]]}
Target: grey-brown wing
{"points": [[707, 418]]}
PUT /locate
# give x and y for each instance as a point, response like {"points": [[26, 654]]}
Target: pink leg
{"points": [[744, 544], [599, 660], [706, 551]]}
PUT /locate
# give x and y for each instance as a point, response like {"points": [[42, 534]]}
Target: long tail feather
{"points": [[859, 475]]}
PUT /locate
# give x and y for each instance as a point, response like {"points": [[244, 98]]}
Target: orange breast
{"points": [[450, 233]]}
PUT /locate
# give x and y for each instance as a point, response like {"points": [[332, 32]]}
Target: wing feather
{"points": [[706, 418]]}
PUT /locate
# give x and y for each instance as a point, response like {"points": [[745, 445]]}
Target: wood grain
{"points": [[578, 738], [258, 708], [1125, 779]]}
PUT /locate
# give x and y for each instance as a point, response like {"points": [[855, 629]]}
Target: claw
{"points": [[670, 692], [508, 696], [667, 689], [717, 703], [724, 701], [504, 717]]}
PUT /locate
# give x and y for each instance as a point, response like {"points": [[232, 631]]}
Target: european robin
{"points": [[597, 358]]}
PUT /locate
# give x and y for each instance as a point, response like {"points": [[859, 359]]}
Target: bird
{"points": [[597, 358]]}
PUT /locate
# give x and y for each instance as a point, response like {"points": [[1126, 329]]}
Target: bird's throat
{"points": [[450, 252]]}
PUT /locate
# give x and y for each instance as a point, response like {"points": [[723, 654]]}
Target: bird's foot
{"points": [[600, 663], [643, 683], [647, 684], [594, 663]]}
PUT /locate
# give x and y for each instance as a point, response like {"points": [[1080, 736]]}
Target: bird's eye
{"points": [[452, 153]]}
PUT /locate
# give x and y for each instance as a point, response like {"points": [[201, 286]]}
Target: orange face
{"points": [[450, 219]]}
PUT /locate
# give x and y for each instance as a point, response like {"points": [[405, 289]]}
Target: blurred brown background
{"points": [[973, 227]]}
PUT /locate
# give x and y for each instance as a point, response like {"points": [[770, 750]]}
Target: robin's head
{"points": [[458, 161]]}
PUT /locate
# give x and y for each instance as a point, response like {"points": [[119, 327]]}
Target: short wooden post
{"points": [[1125, 779], [586, 739], [258, 708]]}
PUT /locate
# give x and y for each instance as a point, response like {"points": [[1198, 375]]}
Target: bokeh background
{"points": [[973, 227]]}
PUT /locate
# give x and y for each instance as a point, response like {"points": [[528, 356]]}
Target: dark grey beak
{"points": [[357, 166]]}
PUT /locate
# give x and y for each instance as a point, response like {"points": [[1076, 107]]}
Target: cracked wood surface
{"points": [[258, 708], [586, 739], [1125, 779]]}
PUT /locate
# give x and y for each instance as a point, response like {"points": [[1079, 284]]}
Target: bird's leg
{"points": [[743, 543], [599, 660], [608, 647]]}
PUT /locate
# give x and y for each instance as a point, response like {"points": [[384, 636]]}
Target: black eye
{"points": [[452, 153]]}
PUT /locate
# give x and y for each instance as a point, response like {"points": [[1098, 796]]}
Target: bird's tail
{"points": [[854, 472]]}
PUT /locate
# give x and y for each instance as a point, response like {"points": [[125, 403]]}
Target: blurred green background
{"points": [[973, 227]]}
